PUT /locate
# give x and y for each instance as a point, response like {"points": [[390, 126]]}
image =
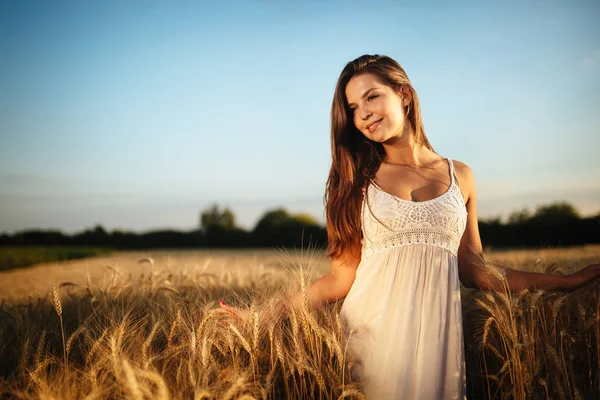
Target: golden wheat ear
{"points": [[58, 307], [148, 260], [479, 260], [56, 301]]}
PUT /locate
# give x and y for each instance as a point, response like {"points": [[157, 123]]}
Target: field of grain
{"points": [[142, 326], [20, 257]]}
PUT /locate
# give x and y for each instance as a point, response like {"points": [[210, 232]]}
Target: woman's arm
{"points": [[485, 275], [476, 272], [330, 287]]}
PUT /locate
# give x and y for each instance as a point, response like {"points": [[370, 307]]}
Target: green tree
{"points": [[99, 230], [216, 218], [272, 219], [305, 219], [279, 217], [519, 216], [278, 227], [556, 213]]}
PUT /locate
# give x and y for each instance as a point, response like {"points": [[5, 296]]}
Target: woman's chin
{"points": [[379, 137], [375, 136]]}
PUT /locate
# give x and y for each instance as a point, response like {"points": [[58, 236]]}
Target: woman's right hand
{"points": [[233, 313]]}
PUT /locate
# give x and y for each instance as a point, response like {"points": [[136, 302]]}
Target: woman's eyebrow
{"points": [[365, 94]]}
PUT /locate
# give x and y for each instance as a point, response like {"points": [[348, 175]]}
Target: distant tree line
{"points": [[216, 229], [555, 225]]}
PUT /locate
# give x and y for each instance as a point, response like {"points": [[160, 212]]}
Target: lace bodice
{"points": [[389, 221]]}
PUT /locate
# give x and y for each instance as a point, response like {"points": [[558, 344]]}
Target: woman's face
{"points": [[377, 109]]}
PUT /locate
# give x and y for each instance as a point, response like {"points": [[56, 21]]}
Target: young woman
{"points": [[402, 232]]}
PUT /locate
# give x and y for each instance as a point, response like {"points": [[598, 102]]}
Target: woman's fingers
{"points": [[232, 311], [229, 309], [226, 316]]}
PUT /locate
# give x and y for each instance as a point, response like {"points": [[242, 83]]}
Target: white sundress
{"points": [[403, 311]]}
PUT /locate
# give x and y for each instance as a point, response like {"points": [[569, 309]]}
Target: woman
{"points": [[402, 232]]}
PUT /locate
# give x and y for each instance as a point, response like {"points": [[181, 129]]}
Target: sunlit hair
{"points": [[354, 158]]}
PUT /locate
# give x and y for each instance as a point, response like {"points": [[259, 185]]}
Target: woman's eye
{"points": [[372, 97]]}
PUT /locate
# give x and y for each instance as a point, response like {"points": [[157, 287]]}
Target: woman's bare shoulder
{"points": [[465, 176], [460, 166]]}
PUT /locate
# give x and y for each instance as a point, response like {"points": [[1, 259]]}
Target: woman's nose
{"points": [[364, 113]]}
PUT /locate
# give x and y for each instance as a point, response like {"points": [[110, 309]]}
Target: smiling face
{"points": [[377, 109]]}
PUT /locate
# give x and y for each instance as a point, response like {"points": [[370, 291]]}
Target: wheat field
{"points": [[143, 326]]}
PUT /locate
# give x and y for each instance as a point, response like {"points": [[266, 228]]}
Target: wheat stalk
{"points": [[25, 354], [114, 352], [279, 351], [495, 351], [295, 329], [486, 329], [162, 390], [131, 381], [235, 388], [192, 360], [204, 352], [202, 394], [77, 332], [243, 340], [174, 327], [255, 332], [58, 307], [95, 346], [146, 345], [352, 392]]}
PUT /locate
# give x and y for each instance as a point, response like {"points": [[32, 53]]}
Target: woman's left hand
{"points": [[583, 277]]}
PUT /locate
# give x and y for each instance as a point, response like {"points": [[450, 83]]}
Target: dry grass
{"points": [[152, 332]]}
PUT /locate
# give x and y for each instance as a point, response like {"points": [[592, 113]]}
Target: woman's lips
{"points": [[371, 128]]}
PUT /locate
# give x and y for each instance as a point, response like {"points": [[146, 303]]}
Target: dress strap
{"points": [[452, 176]]}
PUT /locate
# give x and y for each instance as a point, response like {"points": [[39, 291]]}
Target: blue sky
{"points": [[139, 114]]}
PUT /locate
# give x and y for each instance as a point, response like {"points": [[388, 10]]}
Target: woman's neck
{"points": [[404, 151]]}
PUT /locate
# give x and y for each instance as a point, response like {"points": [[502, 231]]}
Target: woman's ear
{"points": [[406, 95]]}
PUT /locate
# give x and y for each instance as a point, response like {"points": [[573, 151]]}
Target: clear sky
{"points": [[139, 114]]}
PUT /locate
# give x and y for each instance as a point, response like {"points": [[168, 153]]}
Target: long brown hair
{"points": [[354, 158]]}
